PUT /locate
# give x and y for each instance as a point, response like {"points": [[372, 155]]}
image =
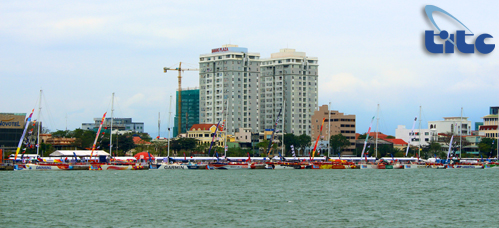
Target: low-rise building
{"points": [[338, 124], [416, 137], [490, 124], [204, 134], [121, 124], [451, 125]]}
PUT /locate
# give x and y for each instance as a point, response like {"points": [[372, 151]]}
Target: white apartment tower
{"points": [[288, 77], [229, 75]]}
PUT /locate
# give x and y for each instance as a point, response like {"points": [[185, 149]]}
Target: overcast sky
{"points": [[370, 52]]}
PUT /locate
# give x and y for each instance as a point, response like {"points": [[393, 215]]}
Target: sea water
{"points": [[250, 198]]}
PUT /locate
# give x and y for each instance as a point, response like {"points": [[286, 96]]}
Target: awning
{"points": [[79, 153]]}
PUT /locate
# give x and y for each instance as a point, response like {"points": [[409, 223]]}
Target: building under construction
{"points": [[190, 110]]}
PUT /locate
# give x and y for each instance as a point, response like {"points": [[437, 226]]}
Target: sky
{"points": [[370, 53]]}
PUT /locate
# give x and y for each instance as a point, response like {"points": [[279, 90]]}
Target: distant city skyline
{"points": [[369, 53]]}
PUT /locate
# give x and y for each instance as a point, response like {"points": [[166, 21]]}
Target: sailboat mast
{"points": [[111, 134], [419, 148], [159, 124], [329, 130], [377, 122], [225, 129], [38, 131], [461, 135], [169, 117], [283, 120]]}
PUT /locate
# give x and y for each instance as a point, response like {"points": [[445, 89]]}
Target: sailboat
{"points": [[40, 166]]}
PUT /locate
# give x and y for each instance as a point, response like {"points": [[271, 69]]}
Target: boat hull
{"points": [[42, 167]]}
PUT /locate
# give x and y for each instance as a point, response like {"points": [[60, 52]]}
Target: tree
{"points": [[185, 144], [338, 143], [202, 147], [433, 148], [487, 147], [304, 141], [84, 138], [290, 139], [263, 145], [61, 134]]}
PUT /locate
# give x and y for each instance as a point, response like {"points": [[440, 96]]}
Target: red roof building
{"points": [[138, 141], [204, 127]]}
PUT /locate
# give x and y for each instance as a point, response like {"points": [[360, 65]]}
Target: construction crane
{"points": [[179, 108]]}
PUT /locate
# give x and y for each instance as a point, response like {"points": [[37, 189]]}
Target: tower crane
{"points": [[179, 108]]}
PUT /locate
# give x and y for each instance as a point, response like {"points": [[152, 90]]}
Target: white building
{"points": [[288, 77], [414, 138], [121, 124], [229, 74], [451, 125]]}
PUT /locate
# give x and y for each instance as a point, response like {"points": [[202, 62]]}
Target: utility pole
{"points": [[179, 108]]}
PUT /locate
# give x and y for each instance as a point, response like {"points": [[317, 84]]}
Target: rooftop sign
{"points": [[12, 121], [229, 49]]}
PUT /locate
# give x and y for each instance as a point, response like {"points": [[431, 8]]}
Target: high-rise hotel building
{"points": [[288, 77], [256, 89], [229, 74]]}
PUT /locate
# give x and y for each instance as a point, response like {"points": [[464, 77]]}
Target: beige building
{"points": [[204, 133], [489, 127], [338, 124]]}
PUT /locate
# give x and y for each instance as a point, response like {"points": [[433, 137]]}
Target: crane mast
{"points": [[179, 107]]}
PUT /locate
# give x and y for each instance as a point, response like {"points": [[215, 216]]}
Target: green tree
{"points": [[263, 145], [338, 143], [362, 136], [183, 144], [84, 138], [487, 147], [202, 147], [304, 141], [290, 139], [61, 134]]}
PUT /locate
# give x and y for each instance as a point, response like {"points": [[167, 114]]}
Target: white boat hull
{"points": [[36, 167], [171, 166]]}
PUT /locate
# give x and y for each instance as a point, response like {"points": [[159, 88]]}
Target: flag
{"points": [[293, 151], [24, 133], [249, 158], [367, 137], [213, 139], [39, 159], [273, 131], [149, 156], [185, 158]]}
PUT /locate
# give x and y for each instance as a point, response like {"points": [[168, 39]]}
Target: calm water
{"points": [[251, 198]]}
